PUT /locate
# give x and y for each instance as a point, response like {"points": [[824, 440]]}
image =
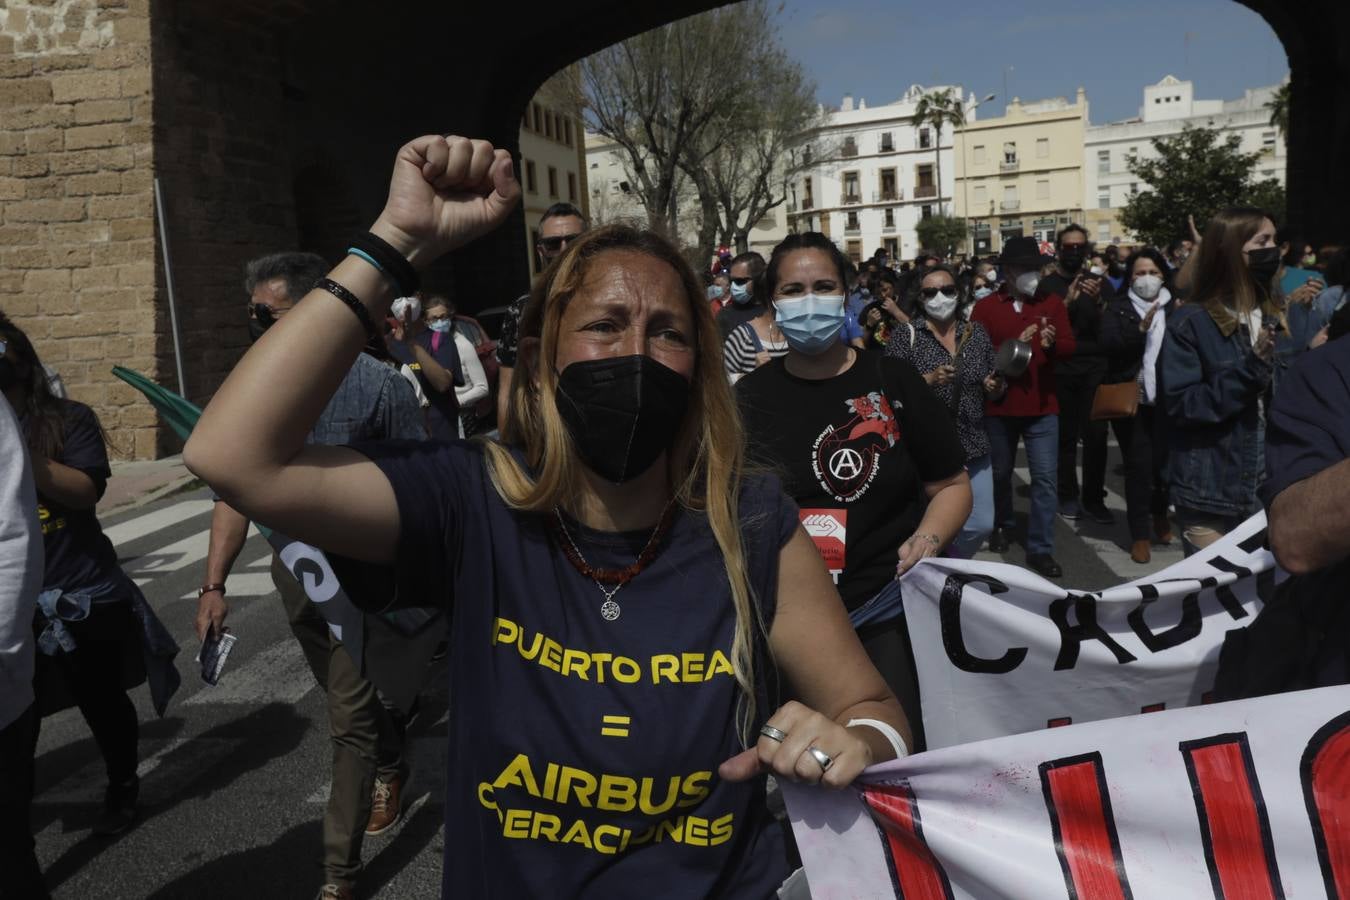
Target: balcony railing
{"points": [[1010, 205], [850, 198], [1008, 165], [886, 194], [853, 229], [924, 191], [888, 226], [887, 147]]}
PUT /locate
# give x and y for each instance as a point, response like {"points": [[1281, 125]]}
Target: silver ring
{"points": [[773, 734], [821, 757]]}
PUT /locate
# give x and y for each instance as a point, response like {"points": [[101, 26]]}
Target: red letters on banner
{"points": [[916, 873], [1085, 831], [1233, 822], [1326, 791]]}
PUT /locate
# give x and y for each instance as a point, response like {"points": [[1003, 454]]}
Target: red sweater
{"points": [[1033, 393]]}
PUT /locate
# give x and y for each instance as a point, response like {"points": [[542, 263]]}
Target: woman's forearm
{"points": [[260, 417], [948, 510], [61, 484]]}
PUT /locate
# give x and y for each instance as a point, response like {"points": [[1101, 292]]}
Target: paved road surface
{"points": [[235, 777]]}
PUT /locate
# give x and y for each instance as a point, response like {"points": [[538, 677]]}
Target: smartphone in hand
{"points": [[215, 650]]}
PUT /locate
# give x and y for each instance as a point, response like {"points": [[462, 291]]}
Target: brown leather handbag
{"points": [[1115, 401]]}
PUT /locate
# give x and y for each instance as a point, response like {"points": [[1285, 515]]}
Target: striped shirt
{"points": [[742, 347]]}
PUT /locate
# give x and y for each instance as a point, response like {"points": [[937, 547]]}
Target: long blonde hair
{"points": [[706, 462]]}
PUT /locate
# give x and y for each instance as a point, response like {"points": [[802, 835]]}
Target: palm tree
{"points": [[1279, 109], [938, 109]]}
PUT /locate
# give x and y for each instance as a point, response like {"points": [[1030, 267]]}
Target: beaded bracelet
{"points": [[347, 297], [392, 264]]}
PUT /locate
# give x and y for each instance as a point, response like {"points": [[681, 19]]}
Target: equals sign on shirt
{"points": [[615, 726]]}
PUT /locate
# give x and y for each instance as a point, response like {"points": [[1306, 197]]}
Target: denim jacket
{"points": [[1215, 390]]}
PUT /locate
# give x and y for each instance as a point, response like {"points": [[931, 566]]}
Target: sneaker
{"points": [[1044, 565], [1098, 513], [998, 541], [119, 808], [336, 892], [1070, 510], [386, 806]]}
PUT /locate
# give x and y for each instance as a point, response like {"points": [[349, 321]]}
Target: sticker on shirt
{"points": [[846, 457], [829, 529]]}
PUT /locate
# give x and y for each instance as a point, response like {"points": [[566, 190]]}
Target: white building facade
{"points": [[876, 176], [1169, 106]]}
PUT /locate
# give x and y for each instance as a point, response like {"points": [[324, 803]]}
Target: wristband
{"points": [[356, 306], [208, 588], [887, 731], [392, 264]]}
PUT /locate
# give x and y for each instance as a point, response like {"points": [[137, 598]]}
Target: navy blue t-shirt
{"points": [[1308, 428], [78, 552], [583, 753]]}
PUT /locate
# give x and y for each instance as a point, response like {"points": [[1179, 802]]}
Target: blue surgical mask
{"points": [[440, 326], [981, 293], [740, 293], [811, 323], [714, 292]]}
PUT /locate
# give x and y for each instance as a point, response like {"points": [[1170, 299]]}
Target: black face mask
{"points": [[255, 329], [9, 374], [622, 413], [1071, 257], [1263, 264]]}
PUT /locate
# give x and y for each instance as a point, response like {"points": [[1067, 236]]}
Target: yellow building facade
{"points": [[1021, 173]]}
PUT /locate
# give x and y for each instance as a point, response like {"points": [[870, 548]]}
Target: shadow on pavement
{"points": [[286, 867], [183, 775]]}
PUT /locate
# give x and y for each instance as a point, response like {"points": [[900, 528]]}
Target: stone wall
{"points": [[77, 251]]}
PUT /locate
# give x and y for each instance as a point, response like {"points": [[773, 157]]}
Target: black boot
{"points": [[119, 808]]}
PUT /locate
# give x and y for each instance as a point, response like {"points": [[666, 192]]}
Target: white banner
{"points": [[1001, 651], [1235, 800]]}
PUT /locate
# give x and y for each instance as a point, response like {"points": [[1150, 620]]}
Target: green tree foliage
{"points": [[1196, 173], [1279, 108], [940, 233]]}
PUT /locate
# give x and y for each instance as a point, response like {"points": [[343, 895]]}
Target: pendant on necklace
{"points": [[609, 610]]}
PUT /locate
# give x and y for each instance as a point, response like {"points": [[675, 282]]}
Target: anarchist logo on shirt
{"points": [[846, 456]]}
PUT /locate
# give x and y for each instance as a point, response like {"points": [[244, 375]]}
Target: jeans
{"points": [[1041, 434], [1075, 394], [981, 521], [365, 739]]}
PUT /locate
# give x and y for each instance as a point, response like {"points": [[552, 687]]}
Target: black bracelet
{"points": [[351, 300], [390, 262]]}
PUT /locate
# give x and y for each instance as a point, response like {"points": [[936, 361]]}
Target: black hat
{"points": [[1023, 252]]}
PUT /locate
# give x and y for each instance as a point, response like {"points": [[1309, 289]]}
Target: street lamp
{"points": [[965, 187]]}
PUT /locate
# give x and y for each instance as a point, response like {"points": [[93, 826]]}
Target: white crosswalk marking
{"points": [[261, 562], [244, 584], [149, 523], [178, 555], [278, 674]]}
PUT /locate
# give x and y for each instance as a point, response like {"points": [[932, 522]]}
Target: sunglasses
{"points": [[741, 282], [265, 314], [930, 292], [555, 244]]}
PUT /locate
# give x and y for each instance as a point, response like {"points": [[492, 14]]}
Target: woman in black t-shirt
{"points": [[861, 442], [88, 618], [623, 588]]}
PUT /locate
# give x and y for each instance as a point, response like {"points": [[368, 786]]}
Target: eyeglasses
{"points": [[930, 292], [741, 282], [556, 244]]}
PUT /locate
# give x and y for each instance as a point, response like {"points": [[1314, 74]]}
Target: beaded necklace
{"points": [[609, 610]]}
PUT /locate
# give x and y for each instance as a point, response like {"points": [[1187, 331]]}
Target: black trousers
{"points": [[20, 876], [1075, 393], [1144, 454]]}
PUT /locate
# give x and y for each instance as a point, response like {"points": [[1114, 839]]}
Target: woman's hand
{"points": [[1047, 337], [940, 375], [1306, 292], [1147, 321], [1319, 339], [444, 193], [1028, 333], [1264, 348], [919, 546], [802, 729], [211, 613], [994, 384], [895, 311]]}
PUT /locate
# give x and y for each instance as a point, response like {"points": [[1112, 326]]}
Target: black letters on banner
{"points": [[949, 608], [1187, 628], [1087, 629]]}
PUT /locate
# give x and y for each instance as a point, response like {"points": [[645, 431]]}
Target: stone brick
{"points": [[23, 257], [78, 232], [15, 68], [95, 136], [45, 211], [97, 183], [118, 207], [12, 144], [85, 349], [145, 442], [61, 62], [75, 161], [71, 86], [89, 112], [87, 278], [43, 188], [131, 229], [132, 30], [137, 181], [119, 158], [123, 252], [71, 256], [12, 188], [11, 282], [52, 114], [43, 140], [39, 280], [135, 82], [136, 274], [30, 166], [60, 307], [25, 92]]}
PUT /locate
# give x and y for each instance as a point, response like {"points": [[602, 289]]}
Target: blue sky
{"points": [[875, 49]]}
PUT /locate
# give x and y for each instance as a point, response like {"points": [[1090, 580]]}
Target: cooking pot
{"points": [[1012, 358]]}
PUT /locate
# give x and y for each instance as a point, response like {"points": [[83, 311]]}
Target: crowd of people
{"points": [[692, 483]]}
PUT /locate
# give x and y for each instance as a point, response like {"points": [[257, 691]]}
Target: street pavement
{"points": [[235, 777]]}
